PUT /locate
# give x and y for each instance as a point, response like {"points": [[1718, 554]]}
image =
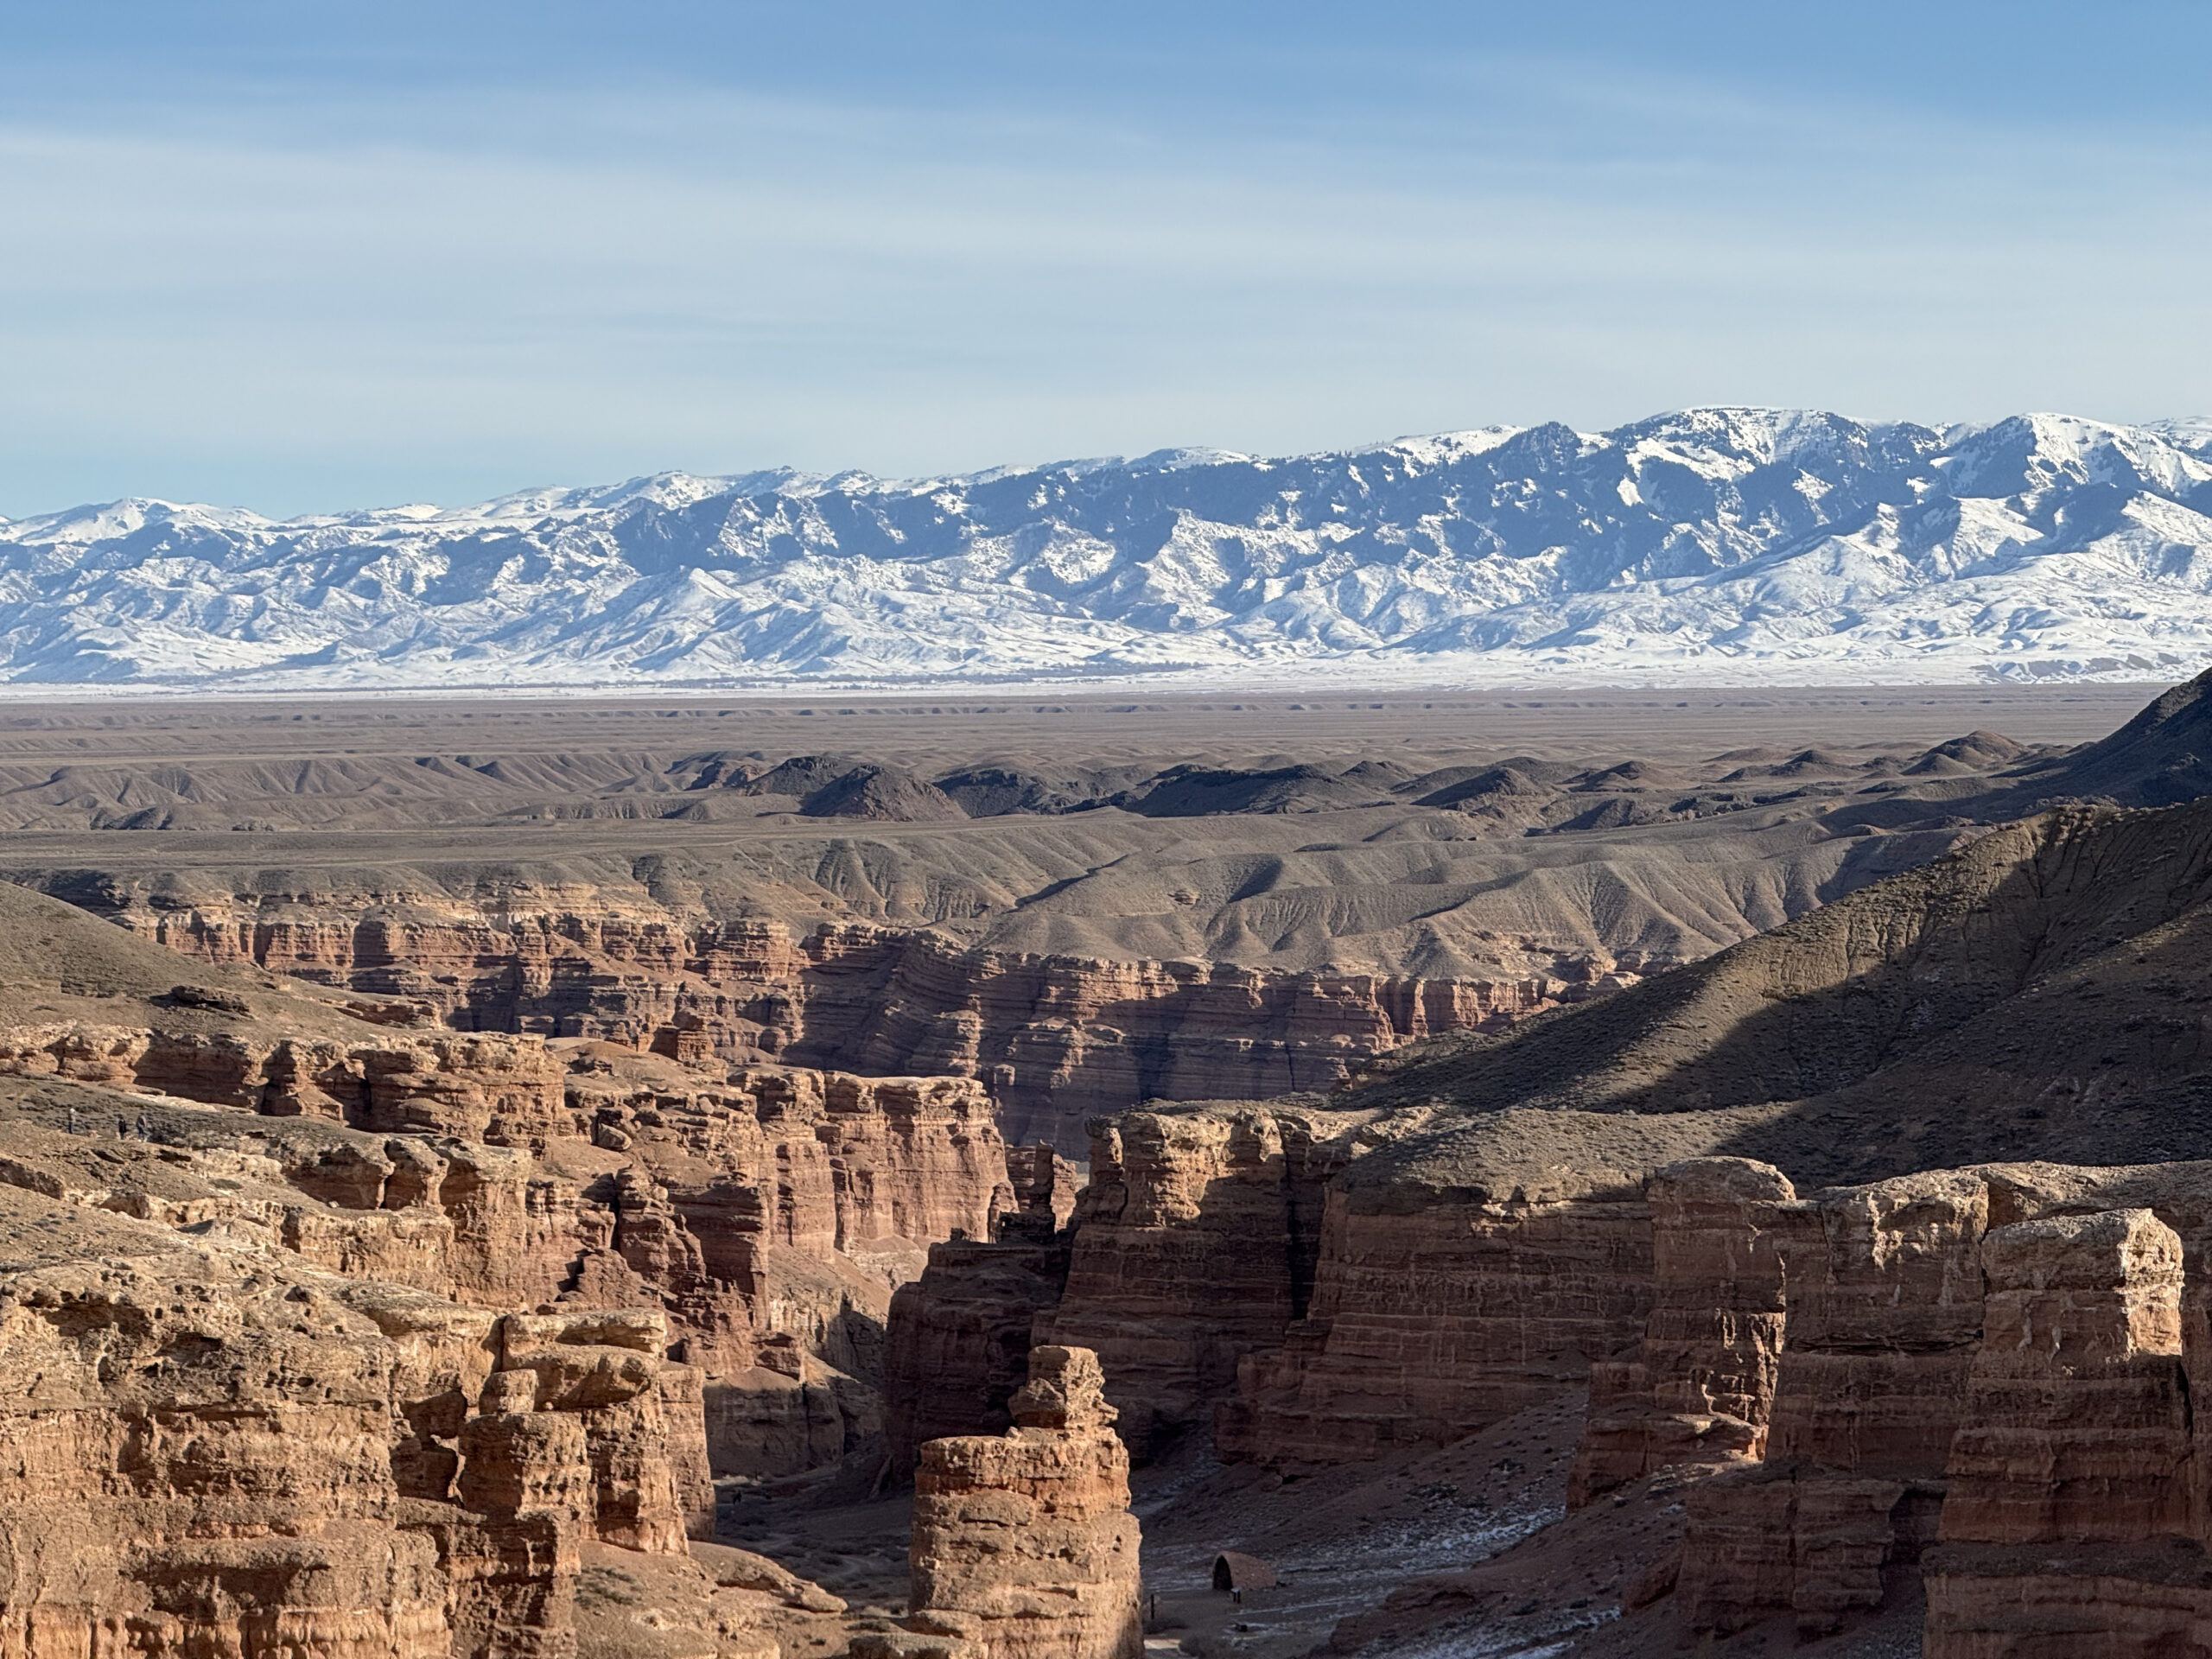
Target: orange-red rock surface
{"points": [[1023, 1543], [1195, 1243], [1059, 1038], [1982, 1385], [1437, 1314], [212, 1448], [768, 1212], [1700, 1386]]}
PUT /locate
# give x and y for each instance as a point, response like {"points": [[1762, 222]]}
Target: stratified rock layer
{"points": [[216, 1450], [766, 1212], [1701, 1386], [1983, 1384], [1195, 1243], [1023, 1543], [2073, 1460], [1058, 1037]]}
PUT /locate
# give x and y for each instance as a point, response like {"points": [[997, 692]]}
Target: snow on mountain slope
{"points": [[1728, 544]]}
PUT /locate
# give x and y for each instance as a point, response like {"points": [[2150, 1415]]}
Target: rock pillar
{"points": [[2065, 1525], [1700, 1386], [1024, 1543]]}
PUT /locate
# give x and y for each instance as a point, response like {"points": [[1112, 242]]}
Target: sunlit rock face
{"points": [[1023, 1543], [1058, 1037], [213, 1446]]}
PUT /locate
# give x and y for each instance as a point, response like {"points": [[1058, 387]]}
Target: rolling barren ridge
{"points": [[1083, 905], [1599, 1174]]}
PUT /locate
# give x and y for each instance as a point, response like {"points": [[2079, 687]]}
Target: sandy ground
{"points": [[913, 731]]}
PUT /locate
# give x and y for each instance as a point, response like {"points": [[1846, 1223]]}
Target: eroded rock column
{"points": [[1023, 1544], [2064, 1527], [1700, 1386], [1885, 1292]]}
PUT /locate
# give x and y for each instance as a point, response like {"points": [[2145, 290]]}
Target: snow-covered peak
{"points": [[111, 520], [1715, 542], [2029, 452], [1442, 448], [1176, 460], [2192, 433]]}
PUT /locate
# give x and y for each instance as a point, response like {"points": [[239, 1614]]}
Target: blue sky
{"points": [[309, 256]]}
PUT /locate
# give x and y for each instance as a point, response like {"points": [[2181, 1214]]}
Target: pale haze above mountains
{"points": [[1728, 545]]}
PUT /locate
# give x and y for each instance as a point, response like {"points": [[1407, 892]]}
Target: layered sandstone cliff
{"points": [[1057, 1037], [1982, 1386], [1023, 1543], [766, 1212], [1195, 1242], [958, 1340], [216, 1448], [251, 1415], [1699, 1387]]}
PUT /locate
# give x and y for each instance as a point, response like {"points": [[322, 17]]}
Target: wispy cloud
{"points": [[330, 294]]}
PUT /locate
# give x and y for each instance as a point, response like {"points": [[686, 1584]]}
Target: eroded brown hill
{"points": [[1082, 906]]}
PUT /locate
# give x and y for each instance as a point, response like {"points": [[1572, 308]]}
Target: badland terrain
{"points": [[1461, 1174]]}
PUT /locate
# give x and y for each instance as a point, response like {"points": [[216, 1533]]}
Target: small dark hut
{"points": [[1233, 1570]]}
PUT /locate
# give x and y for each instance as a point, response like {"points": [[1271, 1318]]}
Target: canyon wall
{"points": [[1437, 1312], [1196, 1241], [1057, 1039], [958, 1340], [212, 1449], [768, 1212], [1232, 1285], [1981, 1387], [333, 1335], [1978, 1380]]}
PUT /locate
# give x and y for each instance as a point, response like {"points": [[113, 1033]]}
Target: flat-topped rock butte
{"points": [[482, 1179]]}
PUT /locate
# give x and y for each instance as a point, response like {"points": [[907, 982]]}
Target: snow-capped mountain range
{"points": [[1728, 545]]}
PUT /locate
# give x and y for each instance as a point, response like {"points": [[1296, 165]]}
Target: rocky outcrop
{"points": [[2068, 1515], [769, 1212], [1195, 1243], [773, 1213], [1982, 1386], [1435, 1313], [1884, 1315], [368, 1353], [956, 1345], [1699, 1386], [1023, 1544], [1227, 1279], [217, 1449], [1058, 1037], [1044, 1184], [497, 1090]]}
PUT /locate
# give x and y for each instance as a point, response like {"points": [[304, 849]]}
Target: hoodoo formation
{"points": [[1840, 1283], [1023, 1543]]}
